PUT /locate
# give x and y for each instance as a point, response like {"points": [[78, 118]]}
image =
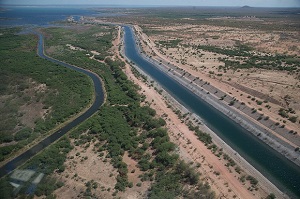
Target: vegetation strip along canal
{"points": [[282, 172], [98, 101]]}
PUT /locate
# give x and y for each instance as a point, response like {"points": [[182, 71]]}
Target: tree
{"points": [[271, 196]]}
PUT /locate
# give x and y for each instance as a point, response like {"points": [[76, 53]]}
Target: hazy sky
{"points": [[254, 3]]}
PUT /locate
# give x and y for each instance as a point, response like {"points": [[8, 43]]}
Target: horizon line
{"points": [[124, 5], [120, 5]]}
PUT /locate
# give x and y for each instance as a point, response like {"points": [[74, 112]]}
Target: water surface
{"points": [[279, 170], [283, 173], [43, 16]]}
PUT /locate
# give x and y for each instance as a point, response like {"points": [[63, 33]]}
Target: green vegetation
{"points": [[6, 190], [252, 180], [116, 128], [285, 113], [120, 125], [293, 119], [52, 158], [271, 196], [170, 43], [203, 137], [230, 160], [29, 82], [97, 41], [48, 162], [168, 184], [239, 50], [246, 58], [206, 16]]}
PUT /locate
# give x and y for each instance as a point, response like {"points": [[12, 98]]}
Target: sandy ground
{"points": [[236, 91], [84, 164], [224, 181], [88, 166], [274, 85]]}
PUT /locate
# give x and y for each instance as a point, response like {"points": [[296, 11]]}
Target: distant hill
{"points": [[246, 7]]}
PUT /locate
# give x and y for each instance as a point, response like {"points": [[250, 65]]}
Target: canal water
{"points": [[99, 99], [279, 170]]}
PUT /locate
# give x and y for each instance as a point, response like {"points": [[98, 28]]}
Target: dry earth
{"points": [[248, 95], [84, 164], [223, 180], [257, 83]]}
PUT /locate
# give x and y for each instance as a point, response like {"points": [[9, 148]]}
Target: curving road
{"points": [[98, 101]]}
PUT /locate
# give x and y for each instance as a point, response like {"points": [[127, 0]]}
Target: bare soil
{"points": [[85, 165], [272, 88], [223, 180]]}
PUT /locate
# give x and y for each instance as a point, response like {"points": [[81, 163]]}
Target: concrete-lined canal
{"points": [[282, 172]]}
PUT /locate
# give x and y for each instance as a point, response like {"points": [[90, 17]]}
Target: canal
{"points": [[278, 169], [98, 101]]}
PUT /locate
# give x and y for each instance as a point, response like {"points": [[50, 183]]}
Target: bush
{"points": [[252, 180], [283, 113], [23, 134], [293, 119], [271, 196], [259, 102]]}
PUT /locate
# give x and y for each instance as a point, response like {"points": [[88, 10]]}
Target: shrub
{"points": [[252, 180], [293, 119]]}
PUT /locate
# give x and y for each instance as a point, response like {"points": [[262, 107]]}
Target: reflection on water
{"points": [[25, 179]]}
